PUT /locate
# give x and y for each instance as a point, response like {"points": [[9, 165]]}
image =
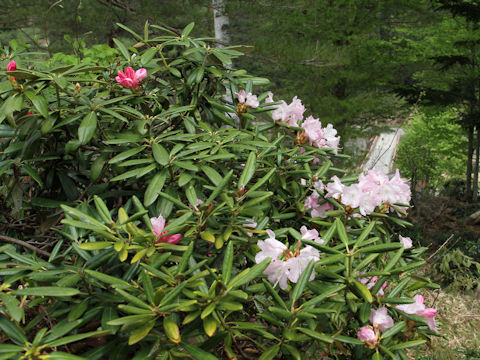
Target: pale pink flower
{"points": [[367, 335], [131, 78], [279, 270], [247, 99], [310, 235], [418, 308], [12, 66], [318, 185], [319, 210], [158, 225], [313, 131], [379, 318], [269, 98], [353, 195], [414, 307], [289, 114], [270, 248], [429, 315], [298, 263], [406, 241], [277, 273], [335, 189]]}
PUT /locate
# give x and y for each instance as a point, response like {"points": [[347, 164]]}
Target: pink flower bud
{"points": [[12, 66], [368, 336]]}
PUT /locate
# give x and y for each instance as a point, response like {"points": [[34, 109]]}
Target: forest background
{"points": [[364, 66]]}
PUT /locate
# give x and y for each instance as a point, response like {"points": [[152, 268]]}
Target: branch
{"points": [[25, 245]]}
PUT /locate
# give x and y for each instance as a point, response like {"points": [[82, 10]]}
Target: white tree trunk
{"points": [[220, 22]]}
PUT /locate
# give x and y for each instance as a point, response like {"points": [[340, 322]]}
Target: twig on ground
{"points": [[440, 248], [25, 244]]}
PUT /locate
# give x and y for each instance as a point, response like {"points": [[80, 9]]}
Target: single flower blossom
{"points": [[379, 318], [419, 308], [368, 336], [247, 99], [270, 248], [406, 241], [311, 235], [158, 224], [131, 78]]}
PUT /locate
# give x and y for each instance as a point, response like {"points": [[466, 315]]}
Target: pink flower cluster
{"points": [[131, 78], [418, 308], [320, 137], [247, 99], [372, 190], [286, 265], [288, 113], [312, 202], [381, 321], [158, 225], [291, 114]]}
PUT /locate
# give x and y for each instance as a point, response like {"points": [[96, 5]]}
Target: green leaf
{"points": [[302, 282], [348, 340], [197, 353], [154, 188], [342, 233], [319, 298], [361, 291], [160, 154], [47, 291], [122, 49], [316, 335], [407, 345], [60, 355], [220, 187], [12, 305], [131, 319], [33, 174], [96, 245], [74, 338], [61, 328], [14, 332], [270, 353], [399, 326], [102, 209], [107, 278], [212, 174], [126, 154], [187, 29], [39, 103], [248, 274], [227, 263], [248, 171], [87, 128], [140, 332], [10, 348], [363, 236], [381, 248]]}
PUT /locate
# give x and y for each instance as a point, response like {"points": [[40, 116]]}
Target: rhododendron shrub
{"points": [[194, 216]]}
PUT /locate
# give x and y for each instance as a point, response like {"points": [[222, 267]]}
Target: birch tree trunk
{"points": [[469, 163], [475, 167], [220, 22]]}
